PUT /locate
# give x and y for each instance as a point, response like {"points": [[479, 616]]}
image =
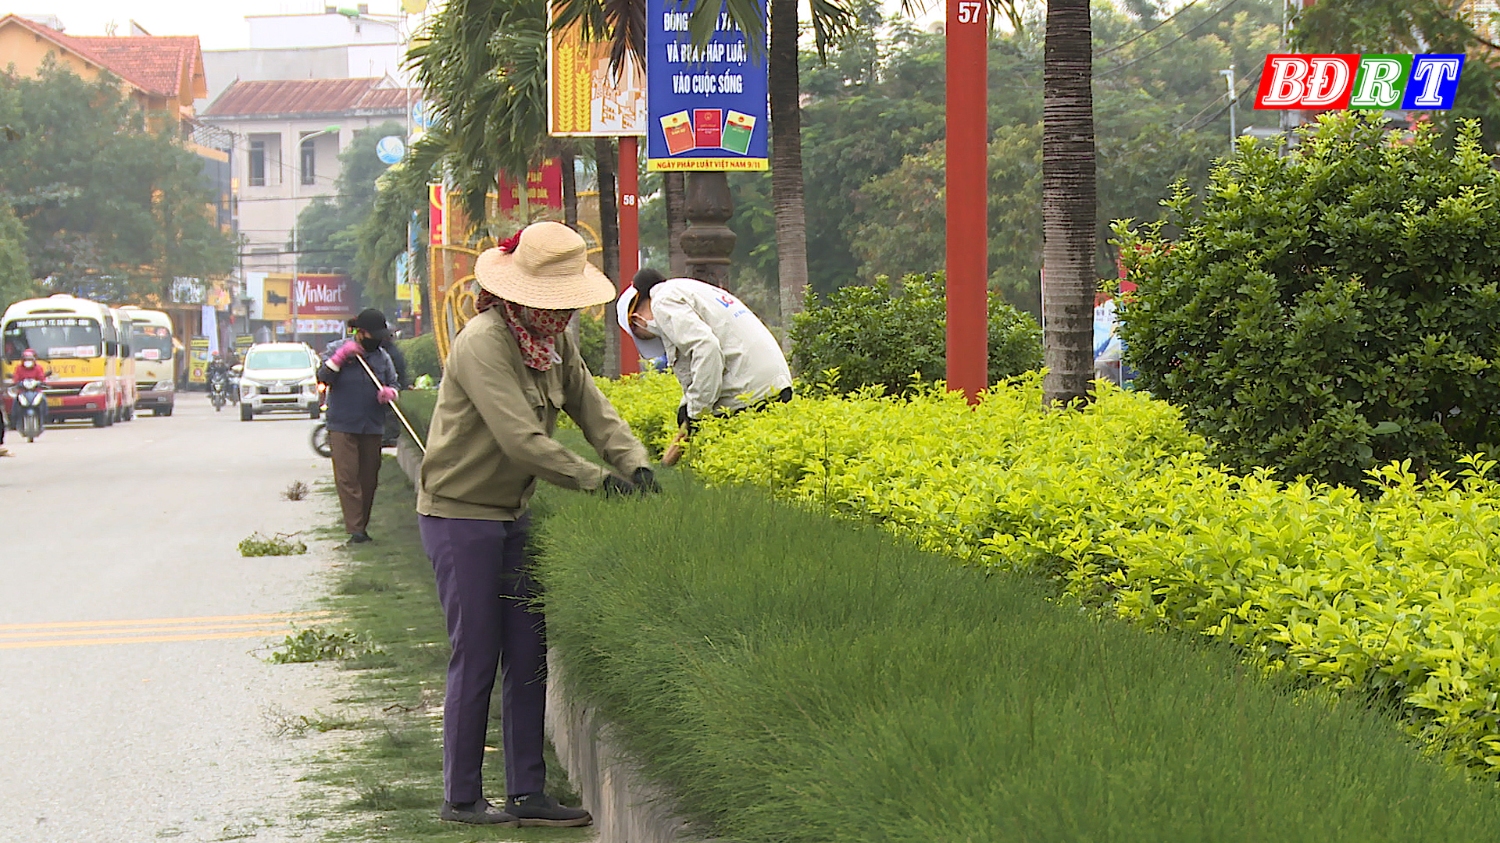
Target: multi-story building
{"points": [[338, 44], [287, 136]]}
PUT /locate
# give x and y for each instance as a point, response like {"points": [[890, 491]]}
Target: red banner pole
{"points": [[967, 182], [630, 241]]}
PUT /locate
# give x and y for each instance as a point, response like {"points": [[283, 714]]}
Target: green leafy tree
{"points": [[872, 129], [15, 273], [1330, 310], [110, 208]]}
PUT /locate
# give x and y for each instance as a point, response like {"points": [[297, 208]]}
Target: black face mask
{"points": [[370, 344]]}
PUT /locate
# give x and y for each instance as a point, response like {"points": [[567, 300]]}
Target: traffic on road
{"points": [[70, 359]]}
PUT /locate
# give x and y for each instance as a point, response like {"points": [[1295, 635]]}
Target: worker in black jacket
{"points": [[356, 416]]}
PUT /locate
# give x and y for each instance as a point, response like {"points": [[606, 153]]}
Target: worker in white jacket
{"points": [[724, 356]]}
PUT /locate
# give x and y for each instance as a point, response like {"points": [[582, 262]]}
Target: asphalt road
{"points": [[133, 702]]}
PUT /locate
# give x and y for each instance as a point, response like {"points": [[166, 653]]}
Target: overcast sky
{"points": [[219, 23]]}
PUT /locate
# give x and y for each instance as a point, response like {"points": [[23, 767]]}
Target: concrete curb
{"points": [[626, 808], [410, 459]]}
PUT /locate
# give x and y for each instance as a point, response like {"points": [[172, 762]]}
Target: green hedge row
{"points": [[791, 678], [1395, 596]]}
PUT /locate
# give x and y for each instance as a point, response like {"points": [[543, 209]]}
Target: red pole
{"points": [[968, 131], [630, 242]]}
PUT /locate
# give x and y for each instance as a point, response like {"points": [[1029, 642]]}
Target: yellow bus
{"points": [[76, 339], [122, 365], [155, 352]]}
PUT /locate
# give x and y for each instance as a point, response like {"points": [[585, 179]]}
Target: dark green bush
{"points": [[873, 337], [1329, 310], [421, 356], [591, 340]]}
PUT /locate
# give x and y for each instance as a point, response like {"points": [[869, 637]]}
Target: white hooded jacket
{"points": [[723, 355]]}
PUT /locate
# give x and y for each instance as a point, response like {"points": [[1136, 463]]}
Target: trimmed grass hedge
{"points": [[1395, 596], [791, 678]]}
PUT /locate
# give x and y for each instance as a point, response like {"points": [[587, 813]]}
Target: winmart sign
{"points": [[1374, 82]]}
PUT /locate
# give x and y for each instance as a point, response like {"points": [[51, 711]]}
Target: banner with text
{"points": [[544, 189], [584, 99], [324, 295], [707, 107]]}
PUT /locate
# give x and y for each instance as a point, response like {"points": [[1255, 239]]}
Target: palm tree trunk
{"points": [[674, 185], [609, 236], [569, 186], [1069, 205], [786, 162]]}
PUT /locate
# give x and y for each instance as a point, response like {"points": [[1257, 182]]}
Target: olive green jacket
{"points": [[491, 434]]}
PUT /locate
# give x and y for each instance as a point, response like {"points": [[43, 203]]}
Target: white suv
{"points": [[279, 377]]}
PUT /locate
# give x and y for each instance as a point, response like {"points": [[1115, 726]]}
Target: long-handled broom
{"points": [[394, 406]]}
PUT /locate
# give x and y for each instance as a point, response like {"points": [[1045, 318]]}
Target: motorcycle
{"points": [[319, 438], [29, 408], [218, 390], [234, 383]]}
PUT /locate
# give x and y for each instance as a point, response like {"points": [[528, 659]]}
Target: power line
{"points": [[1138, 59], [1123, 44], [1251, 80]]}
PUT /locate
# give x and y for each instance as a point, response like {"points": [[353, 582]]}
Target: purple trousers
{"points": [[483, 585]]}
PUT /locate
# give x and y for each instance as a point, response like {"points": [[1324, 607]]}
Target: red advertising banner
{"points": [[323, 295], [437, 217], [543, 188]]}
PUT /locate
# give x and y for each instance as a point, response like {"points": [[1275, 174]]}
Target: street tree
{"points": [[110, 207], [15, 273], [1069, 202]]}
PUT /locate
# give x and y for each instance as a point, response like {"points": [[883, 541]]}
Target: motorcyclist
{"points": [[218, 368], [28, 369]]}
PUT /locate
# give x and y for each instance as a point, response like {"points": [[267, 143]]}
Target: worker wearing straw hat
{"points": [[510, 371]]}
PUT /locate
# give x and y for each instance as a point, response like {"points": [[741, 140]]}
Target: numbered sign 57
{"points": [[970, 11]]}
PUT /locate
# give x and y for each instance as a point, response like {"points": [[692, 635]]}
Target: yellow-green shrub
{"points": [[1398, 594], [649, 402]]}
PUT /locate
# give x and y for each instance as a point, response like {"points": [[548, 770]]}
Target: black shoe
{"points": [[539, 809], [477, 813], [359, 538]]}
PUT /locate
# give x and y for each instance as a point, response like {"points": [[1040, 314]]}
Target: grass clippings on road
{"points": [[386, 783]]}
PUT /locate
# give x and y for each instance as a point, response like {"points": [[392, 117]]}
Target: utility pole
{"points": [[1234, 99]]}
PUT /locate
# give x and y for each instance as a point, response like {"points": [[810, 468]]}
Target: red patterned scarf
{"points": [[536, 329]]}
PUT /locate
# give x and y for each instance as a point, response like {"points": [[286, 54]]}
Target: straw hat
{"points": [[549, 269]]}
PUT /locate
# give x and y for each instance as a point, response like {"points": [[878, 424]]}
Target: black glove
{"points": [[615, 487], [682, 416], [645, 481]]}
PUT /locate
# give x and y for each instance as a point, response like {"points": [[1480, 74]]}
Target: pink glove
{"points": [[344, 352], [386, 395]]}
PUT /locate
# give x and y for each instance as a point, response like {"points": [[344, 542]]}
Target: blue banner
{"points": [[707, 107]]}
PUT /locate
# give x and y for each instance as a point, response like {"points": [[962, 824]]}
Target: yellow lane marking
{"points": [[137, 630], [141, 639], [276, 616]]}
